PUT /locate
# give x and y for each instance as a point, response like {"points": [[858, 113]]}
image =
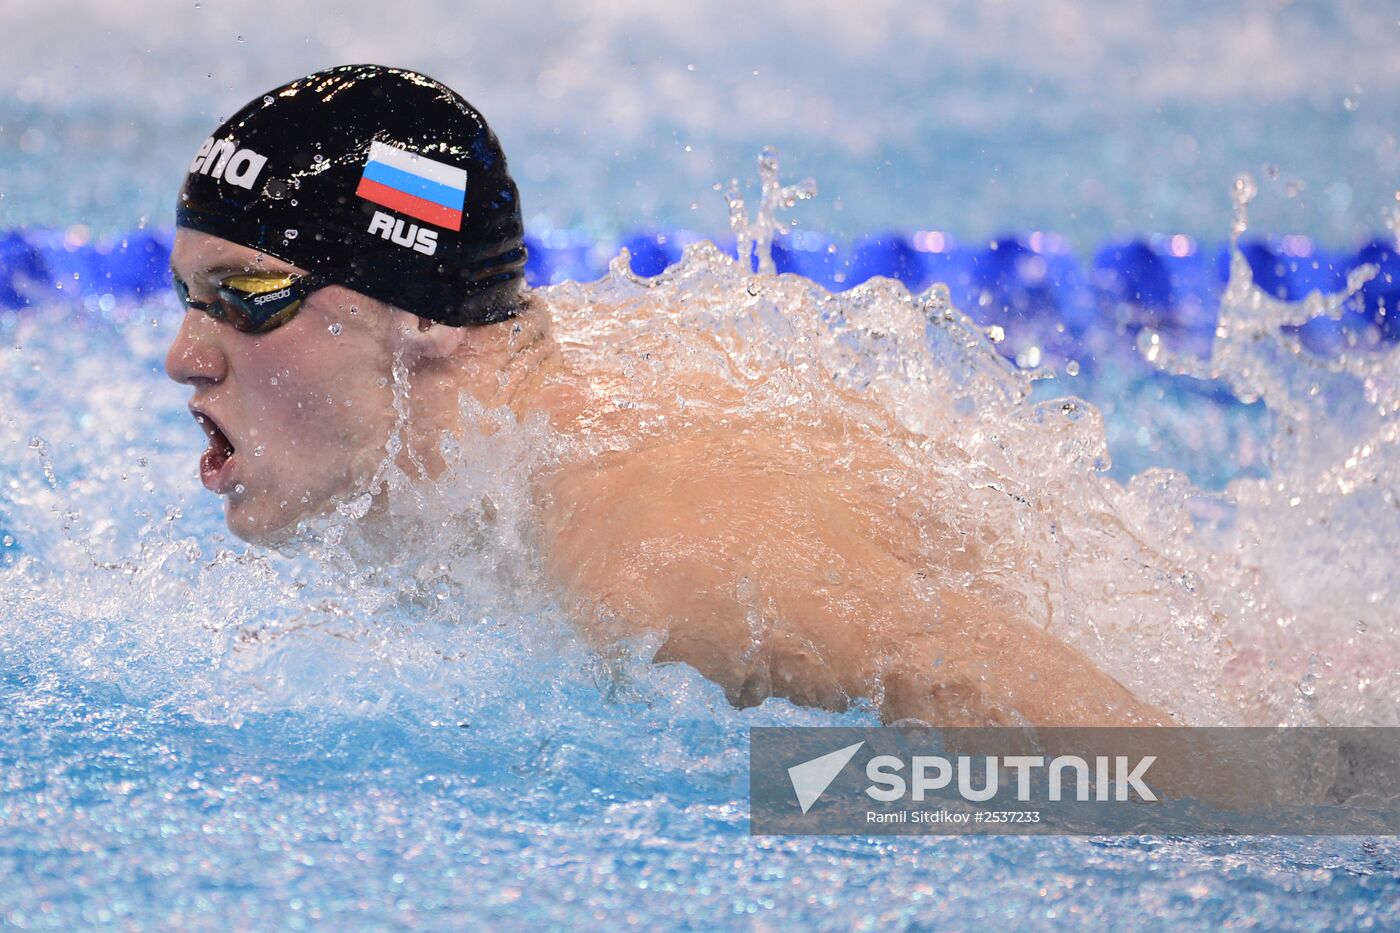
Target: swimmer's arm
{"points": [[1005, 672], [769, 589]]}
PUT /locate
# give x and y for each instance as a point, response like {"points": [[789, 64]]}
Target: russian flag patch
{"points": [[415, 185]]}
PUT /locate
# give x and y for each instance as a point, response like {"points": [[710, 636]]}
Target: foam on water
{"points": [[424, 711]]}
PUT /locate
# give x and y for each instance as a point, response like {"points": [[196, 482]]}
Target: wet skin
{"points": [[769, 576], [302, 409]]}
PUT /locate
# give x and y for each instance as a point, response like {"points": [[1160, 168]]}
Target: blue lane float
{"points": [[22, 270], [890, 255], [47, 265], [1032, 285], [808, 254], [1167, 288]]}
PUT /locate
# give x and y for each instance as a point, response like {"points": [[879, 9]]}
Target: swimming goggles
{"points": [[256, 303]]}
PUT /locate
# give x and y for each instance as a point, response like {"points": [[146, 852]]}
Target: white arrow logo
{"points": [[811, 778]]}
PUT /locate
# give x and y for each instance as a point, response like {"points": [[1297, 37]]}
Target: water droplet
{"points": [[290, 234], [1350, 103], [267, 98], [239, 489], [1307, 684], [334, 329], [353, 309], [258, 451], [8, 541], [239, 38], [1072, 367], [1361, 626], [382, 382], [1245, 187]]}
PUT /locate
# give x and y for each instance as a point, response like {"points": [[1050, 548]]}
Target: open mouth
{"points": [[214, 466]]}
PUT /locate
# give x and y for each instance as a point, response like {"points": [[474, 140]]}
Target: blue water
{"points": [[120, 813], [199, 735]]}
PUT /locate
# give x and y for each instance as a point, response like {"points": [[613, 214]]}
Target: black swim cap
{"points": [[381, 179]]}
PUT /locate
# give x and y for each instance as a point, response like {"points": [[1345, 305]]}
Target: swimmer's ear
{"points": [[420, 338]]}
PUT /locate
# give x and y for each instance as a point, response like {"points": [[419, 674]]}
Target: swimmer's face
{"points": [[306, 409]]}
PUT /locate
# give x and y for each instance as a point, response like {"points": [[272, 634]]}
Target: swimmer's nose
{"points": [[194, 359]]}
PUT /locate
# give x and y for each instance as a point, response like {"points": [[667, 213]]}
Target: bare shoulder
{"points": [[731, 495], [769, 583], [755, 573]]}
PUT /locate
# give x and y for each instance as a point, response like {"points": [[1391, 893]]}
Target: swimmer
{"points": [[362, 219]]}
